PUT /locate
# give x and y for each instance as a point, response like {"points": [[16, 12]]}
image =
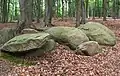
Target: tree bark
{"points": [[4, 11], [87, 12], [69, 8], [83, 12], [48, 13], [113, 9], [94, 10], [78, 10], [118, 9], [38, 10], [25, 15], [62, 9], [104, 9]]}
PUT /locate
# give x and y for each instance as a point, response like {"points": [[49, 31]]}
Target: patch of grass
{"points": [[15, 60]]}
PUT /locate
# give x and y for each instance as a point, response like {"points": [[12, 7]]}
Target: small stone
{"points": [[89, 48]]}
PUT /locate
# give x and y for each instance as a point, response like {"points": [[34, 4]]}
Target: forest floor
{"points": [[63, 62]]}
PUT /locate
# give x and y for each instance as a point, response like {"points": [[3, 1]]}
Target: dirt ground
{"points": [[63, 62]]}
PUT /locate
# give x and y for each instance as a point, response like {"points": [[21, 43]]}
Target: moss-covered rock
{"points": [[47, 47], [25, 42], [89, 48], [70, 35], [6, 34], [98, 32]]}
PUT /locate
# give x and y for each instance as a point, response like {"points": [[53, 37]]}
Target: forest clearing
{"points": [[59, 38]]}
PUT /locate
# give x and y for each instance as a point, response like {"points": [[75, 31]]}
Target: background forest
{"points": [[10, 9]]}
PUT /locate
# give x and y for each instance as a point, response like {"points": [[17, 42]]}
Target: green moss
{"points": [[15, 60], [26, 37]]}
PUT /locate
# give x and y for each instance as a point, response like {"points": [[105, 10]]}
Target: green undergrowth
{"points": [[16, 60]]}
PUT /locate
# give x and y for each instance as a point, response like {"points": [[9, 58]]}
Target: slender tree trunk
{"points": [[69, 8], [118, 9], [62, 9], [93, 13], [113, 9], [16, 14], [83, 12], [66, 12], [98, 6], [0, 10], [4, 11], [94, 10], [48, 15], [87, 13], [90, 11], [54, 9], [57, 8], [38, 10], [78, 10], [104, 9], [8, 9]]}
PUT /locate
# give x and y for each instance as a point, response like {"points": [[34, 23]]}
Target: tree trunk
{"points": [[98, 8], [16, 14], [57, 8], [117, 10], [69, 9], [38, 10], [113, 9], [94, 10], [8, 10], [66, 11], [4, 11], [104, 9], [48, 15], [83, 12], [25, 15], [54, 9], [62, 9], [93, 13], [0, 10], [78, 10], [87, 12]]}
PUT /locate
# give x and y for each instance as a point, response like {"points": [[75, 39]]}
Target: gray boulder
{"points": [[6, 34], [89, 48], [99, 33], [69, 35], [26, 42], [47, 47]]}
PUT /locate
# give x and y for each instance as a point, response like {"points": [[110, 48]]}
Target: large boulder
{"points": [[98, 32], [89, 48], [6, 34], [69, 35], [26, 42], [47, 47]]}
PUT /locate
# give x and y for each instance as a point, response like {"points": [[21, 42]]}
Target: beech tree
{"points": [[4, 11], [83, 12], [78, 14], [87, 1], [25, 15], [62, 9], [48, 12], [104, 9]]}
